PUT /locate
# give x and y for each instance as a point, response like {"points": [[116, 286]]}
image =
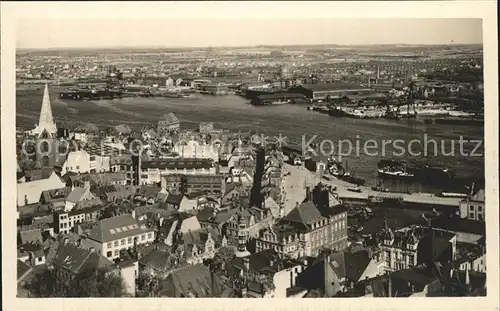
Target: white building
{"points": [[82, 162], [116, 233]]}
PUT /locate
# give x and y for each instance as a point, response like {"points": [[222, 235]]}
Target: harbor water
{"points": [[292, 121]]}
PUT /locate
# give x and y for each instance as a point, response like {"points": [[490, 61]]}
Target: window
{"points": [[109, 254], [479, 208], [471, 207], [109, 245], [143, 236], [44, 147], [117, 252], [150, 235], [471, 215], [129, 240], [45, 161], [479, 216], [116, 243], [122, 242]]}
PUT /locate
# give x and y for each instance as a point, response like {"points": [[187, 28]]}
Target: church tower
{"points": [[46, 135]]}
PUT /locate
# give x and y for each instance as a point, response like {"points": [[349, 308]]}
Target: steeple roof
{"points": [[46, 121]]}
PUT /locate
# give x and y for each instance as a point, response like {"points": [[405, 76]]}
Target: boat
{"points": [[354, 189], [337, 112]]}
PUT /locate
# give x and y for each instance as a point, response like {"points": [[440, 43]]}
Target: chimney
{"points": [[246, 263], [133, 214]]}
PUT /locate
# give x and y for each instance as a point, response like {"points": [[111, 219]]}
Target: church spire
{"points": [[46, 121]]}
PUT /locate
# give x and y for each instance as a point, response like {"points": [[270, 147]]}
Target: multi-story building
{"points": [[305, 231], [83, 162], [65, 221], [193, 149], [409, 247], [113, 234], [187, 184], [473, 206], [152, 170]]}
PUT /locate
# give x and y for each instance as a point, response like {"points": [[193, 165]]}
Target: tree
{"points": [[96, 284], [43, 285], [87, 284]]}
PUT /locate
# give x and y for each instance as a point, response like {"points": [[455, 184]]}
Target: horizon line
{"points": [[243, 46]]}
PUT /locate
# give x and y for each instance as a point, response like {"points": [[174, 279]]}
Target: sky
{"points": [[98, 33]]}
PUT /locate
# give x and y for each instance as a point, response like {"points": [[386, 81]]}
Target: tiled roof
{"points": [[22, 270], [196, 280], [304, 214], [116, 228], [76, 259], [76, 195], [31, 236], [174, 199], [349, 265]]}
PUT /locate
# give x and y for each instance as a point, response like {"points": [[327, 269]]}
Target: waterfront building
{"points": [[325, 91], [408, 247], [473, 206]]}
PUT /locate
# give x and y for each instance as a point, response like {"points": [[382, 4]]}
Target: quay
{"points": [[300, 177]]}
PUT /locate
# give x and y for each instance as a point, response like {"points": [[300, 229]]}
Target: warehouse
{"points": [[325, 91]]}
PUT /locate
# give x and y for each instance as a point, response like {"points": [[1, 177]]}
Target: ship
{"points": [[337, 112], [336, 169], [91, 94], [394, 169]]}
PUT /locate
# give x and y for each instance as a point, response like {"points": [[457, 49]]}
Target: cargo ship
{"points": [[91, 94], [336, 169], [394, 169]]}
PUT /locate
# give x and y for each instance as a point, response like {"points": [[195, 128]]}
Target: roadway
{"points": [[299, 178]]}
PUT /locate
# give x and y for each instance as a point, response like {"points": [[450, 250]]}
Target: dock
{"points": [[300, 177]]}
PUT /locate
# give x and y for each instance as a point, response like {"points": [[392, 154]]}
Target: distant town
{"points": [[127, 187]]}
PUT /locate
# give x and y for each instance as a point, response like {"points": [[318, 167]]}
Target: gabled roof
{"points": [[478, 196], [349, 265], [33, 189], [116, 228], [76, 195], [31, 236], [304, 214], [196, 280], [77, 260]]}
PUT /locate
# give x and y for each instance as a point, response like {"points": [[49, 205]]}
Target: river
{"points": [[291, 121]]}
